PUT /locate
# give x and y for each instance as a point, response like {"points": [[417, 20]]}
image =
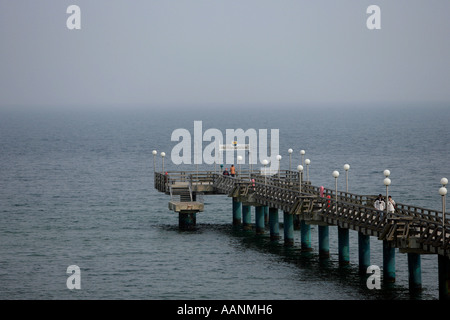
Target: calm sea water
{"points": [[76, 188]]}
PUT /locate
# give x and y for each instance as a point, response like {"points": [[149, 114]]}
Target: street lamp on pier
{"points": [[279, 165], [443, 192], [302, 154], [154, 152], [163, 154], [336, 175], [290, 158], [387, 183], [300, 174], [239, 159], [346, 168], [307, 162]]}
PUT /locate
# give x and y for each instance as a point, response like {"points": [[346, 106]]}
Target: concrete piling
{"points": [[324, 242], [187, 220], [266, 214], [344, 247], [363, 252], [288, 224], [388, 262], [444, 277], [415, 271], [259, 219], [305, 236], [237, 212], [274, 224], [246, 217]]}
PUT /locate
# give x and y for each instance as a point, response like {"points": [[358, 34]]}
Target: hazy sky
{"points": [[223, 53]]}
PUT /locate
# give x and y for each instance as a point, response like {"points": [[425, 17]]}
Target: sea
{"points": [[76, 188]]}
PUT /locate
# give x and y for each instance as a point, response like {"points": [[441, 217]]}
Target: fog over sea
{"points": [[76, 188]]}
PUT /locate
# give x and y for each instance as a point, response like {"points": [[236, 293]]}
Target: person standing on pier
{"points": [[390, 205], [226, 173], [379, 203], [233, 170]]}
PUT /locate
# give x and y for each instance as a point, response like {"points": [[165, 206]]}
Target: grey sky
{"points": [[223, 53]]}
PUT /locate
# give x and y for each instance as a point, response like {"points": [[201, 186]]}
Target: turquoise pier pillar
{"points": [[363, 252], [324, 242], [274, 224], [266, 214], [444, 277], [305, 236], [344, 247], [237, 212], [246, 217], [297, 222], [259, 219], [415, 271], [187, 220], [388, 262], [288, 220]]}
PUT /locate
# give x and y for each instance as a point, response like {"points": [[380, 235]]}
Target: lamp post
{"points": [[239, 159], [388, 249], [443, 192], [387, 183], [346, 168], [265, 163], [279, 165], [300, 174], [163, 154], [154, 152], [307, 162], [290, 158], [302, 154], [336, 175]]}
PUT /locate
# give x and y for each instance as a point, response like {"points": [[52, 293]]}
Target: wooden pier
{"points": [[413, 230]]}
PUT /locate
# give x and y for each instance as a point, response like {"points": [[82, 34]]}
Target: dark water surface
{"points": [[76, 188]]}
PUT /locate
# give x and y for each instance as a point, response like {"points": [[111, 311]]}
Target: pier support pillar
{"points": [[259, 219], [344, 247], [237, 212], [274, 224], [444, 277], [324, 242], [363, 252], [266, 214], [246, 217], [187, 220], [415, 271], [305, 235], [388, 262], [288, 221], [297, 222]]}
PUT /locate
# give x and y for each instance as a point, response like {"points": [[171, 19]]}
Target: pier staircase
{"points": [[183, 191], [183, 199]]}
